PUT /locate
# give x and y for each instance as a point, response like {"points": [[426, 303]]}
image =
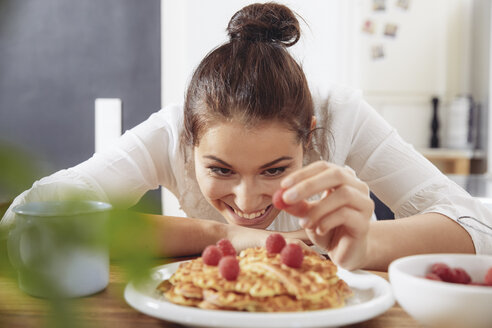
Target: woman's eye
{"points": [[274, 171], [223, 172]]}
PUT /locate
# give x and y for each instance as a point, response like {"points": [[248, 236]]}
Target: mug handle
{"points": [[13, 243], [13, 246]]}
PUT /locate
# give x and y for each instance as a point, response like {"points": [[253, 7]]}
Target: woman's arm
{"points": [[300, 235], [179, 236], [419, 234], [407, 183], [121, 174]]}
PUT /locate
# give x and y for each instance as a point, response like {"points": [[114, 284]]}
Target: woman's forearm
{"points": [[426, 233], [298, 234], [179, 236]]}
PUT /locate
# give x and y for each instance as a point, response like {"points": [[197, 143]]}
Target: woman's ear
{"points": [[313, 123], [313, 126]]}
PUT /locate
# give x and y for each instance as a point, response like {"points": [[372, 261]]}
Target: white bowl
{"points": [[438, 303]]}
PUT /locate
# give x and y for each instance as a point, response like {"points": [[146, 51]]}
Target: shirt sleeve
{"points": [[406, 181], [137, 162]]}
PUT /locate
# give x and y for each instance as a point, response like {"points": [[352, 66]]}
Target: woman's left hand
{"points": [[339, 220]]}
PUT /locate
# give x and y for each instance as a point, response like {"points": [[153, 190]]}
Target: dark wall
{"points": [[57, 56]]}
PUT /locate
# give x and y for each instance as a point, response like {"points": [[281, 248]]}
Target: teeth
{"points": [[251, 215]]}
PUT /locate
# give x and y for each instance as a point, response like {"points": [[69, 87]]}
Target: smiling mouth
{"points": [[252, 215], [249, 219]]}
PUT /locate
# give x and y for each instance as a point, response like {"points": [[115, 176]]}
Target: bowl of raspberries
{"points": [[444, 290]]}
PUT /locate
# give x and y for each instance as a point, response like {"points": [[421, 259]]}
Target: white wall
{"points": [[429, 57], [191, 28]]}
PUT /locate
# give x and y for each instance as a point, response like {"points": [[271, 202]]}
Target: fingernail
{"points": [[303, 222], [287, 182], [319, 231], [290, 195]]}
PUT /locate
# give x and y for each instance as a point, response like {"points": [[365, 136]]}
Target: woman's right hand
{"points": [[339, 221]]}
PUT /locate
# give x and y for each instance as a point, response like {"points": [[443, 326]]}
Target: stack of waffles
{"points": [[264, 284]]}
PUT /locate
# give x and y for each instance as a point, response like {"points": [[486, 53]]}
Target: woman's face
{"points": [[239, 169]]}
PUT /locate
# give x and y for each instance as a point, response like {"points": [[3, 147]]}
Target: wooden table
{"points": [[109, 309], [452, 161]]}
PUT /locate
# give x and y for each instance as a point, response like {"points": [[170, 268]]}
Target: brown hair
{"points": [[252, 78]]}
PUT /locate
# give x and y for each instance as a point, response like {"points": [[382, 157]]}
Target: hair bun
{"points": [[269, 22]]}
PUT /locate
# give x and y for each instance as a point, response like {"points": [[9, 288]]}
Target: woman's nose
{"points": [[248, 196]]}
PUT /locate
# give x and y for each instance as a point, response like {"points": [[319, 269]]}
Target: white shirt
{"points": [[355, 135]]}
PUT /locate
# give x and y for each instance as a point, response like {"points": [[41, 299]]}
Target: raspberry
{"points": [[229, 267], [277, 200], [226, 247], [488, 278], [443, 271], [274, 243], [292, 255], [432, 276], [211, 255], [460, 276]]}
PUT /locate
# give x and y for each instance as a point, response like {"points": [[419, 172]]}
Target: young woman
{"points": [[250, 126]]}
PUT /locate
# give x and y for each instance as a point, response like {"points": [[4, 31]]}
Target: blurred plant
{"points": [[132, 245], [17, 170], [128, 235]]}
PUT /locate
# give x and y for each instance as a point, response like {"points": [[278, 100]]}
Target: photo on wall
{"points": [[377, 52], [390, 30], [379, 5], [368, 26], [403, 4]]}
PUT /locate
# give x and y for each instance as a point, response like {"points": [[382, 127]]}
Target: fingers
{"points": [[345, 196], [348, 217], [299, 209], [343, 234], [298, 242], [304, 173], [343, 212], [317, 178], [303, 245]]}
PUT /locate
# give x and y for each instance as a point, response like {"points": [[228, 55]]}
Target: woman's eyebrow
{"points": [[275, 161], [283, 158], [218, 160]]}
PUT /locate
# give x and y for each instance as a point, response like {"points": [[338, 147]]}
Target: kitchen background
{"points": [[58, 56]]}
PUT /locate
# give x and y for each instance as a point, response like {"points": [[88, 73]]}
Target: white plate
{"points": [[373, 296]]}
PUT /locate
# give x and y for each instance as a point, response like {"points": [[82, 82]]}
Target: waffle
{"points": [[264, 284]]}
